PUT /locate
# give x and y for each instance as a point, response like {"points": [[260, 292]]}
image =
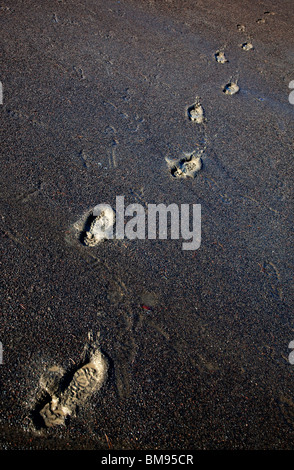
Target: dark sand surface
{"points": [[95, 98]]}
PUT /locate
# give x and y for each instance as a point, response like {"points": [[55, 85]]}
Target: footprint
{"points": [[79, 72], [241, 28], [196, 112], [16, 114], [86, 380], [25, 196], [263, 20], [247, 46], [85, 158], [98, 226], [231, 88], [188, 166], [220, 57]]}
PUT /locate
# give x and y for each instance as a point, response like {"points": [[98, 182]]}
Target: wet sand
{"points": [[96, 97]]}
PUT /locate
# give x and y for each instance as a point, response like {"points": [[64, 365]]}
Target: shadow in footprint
{"points": [[86, 229]]}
